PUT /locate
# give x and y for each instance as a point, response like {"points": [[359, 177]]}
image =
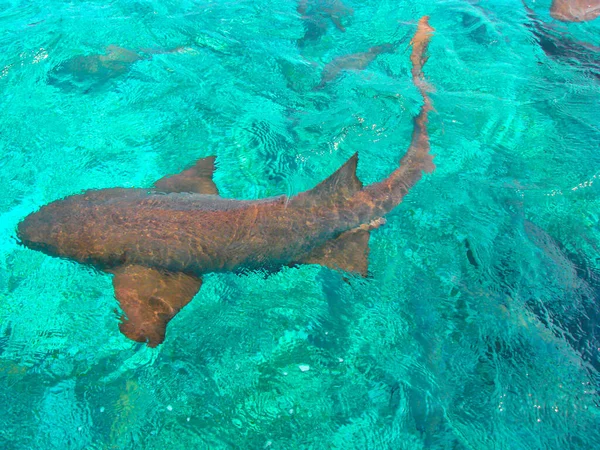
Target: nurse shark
{"points": [[159, 242], [352, 62], [316, 14], [114, 62]]}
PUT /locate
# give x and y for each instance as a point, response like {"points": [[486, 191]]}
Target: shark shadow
{"points": [[159, 242]]}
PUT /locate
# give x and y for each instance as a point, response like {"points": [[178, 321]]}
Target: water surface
{"points": [[478, 326]]}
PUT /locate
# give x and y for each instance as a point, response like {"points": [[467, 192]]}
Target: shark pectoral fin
{"points": [[197, 179], [150, 299], [348, 252]]}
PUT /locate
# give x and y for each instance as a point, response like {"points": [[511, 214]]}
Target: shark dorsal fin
{"points": [[340, 185], [197, 179], [150, 298]]}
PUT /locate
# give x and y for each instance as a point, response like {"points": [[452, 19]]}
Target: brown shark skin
{"points": [[158, 245], [354, 61], [575, 10]]}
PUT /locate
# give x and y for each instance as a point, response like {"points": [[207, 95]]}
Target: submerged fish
{"points": [[354, 61], [159, 242], [113, 63], [575, 10], [316, 14]]}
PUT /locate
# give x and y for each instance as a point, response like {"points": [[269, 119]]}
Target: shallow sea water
{"points": [[478, 326]]}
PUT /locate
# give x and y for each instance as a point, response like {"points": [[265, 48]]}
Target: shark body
{"points": [[575, 10], [100, 68], [159, 242]]}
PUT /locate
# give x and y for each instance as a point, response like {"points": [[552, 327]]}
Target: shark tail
{"points": [[359, 209], [380, 198], [420, 146]]}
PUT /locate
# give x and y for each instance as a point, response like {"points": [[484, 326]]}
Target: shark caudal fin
{"points": [[419, 146], [197, 179], [349, 251], [357, 205], [378, 199]]}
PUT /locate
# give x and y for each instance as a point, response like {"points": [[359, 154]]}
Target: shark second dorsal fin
{"points": [[150, 299], [198, 179], [339, 186]]}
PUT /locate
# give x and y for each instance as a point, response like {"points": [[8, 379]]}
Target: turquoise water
{"points": [[478, 326]]}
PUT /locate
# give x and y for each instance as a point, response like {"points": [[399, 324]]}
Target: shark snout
{"points": [[34, 232]]}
